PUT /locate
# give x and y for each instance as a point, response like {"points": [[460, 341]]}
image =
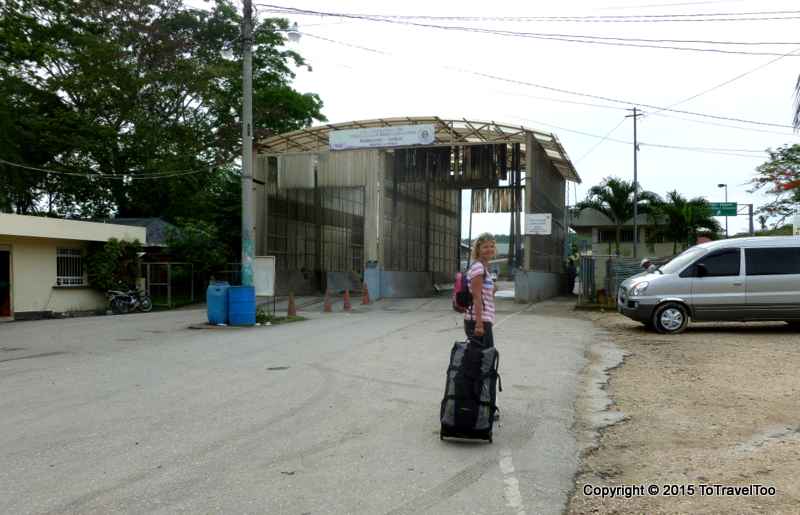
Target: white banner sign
{"points": [[399, 136], [539, 223], [264, 275]]}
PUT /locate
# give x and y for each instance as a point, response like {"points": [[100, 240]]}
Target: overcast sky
{"points": [[415, 81]]}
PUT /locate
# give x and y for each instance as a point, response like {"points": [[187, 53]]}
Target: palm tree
{"points": [[614, 198], [680, 220]]}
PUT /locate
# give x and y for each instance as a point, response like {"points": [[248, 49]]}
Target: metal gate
{"points": [[169, 284], [313, 231]]}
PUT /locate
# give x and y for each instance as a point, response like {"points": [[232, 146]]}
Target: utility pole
{"points": [[248, 236], [750, 213], [726, 201], [635, 115]]}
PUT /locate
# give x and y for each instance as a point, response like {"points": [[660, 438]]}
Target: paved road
{"points": [[337, 414]]}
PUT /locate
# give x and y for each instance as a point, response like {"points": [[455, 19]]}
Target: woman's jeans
{"points": [[487, 340]]}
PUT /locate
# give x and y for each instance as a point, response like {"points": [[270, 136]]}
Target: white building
{"points": [[42, 270]]}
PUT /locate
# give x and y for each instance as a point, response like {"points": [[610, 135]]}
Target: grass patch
{"points": [[262, 317]]}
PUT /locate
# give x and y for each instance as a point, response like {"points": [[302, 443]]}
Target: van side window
{"points": [[773, 261], [722, 264]]}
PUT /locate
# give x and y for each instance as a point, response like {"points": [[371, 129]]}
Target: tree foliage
{"points": [[614, 198], [113, 265], [680, 221], [129, 88], [780, 177], [197, 242]]}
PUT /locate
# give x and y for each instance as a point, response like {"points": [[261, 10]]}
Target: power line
{"points": [[715, 124], [561, 100], [725, 16], [734, 79], [134, 177], [748, 153], [602, 140], [628, 102], [674, 4], [566, 91], [570, 38], [574, 102]]}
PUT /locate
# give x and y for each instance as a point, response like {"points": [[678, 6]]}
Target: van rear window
{"points": [[773, 261]]}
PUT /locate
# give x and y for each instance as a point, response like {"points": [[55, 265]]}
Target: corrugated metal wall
{"points": [[544, 192], [420, 223]]}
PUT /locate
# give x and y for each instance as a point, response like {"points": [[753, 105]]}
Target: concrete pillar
{"points": [[530, 144]]}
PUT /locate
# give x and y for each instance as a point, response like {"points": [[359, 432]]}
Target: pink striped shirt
{"points": [[476, 270]]}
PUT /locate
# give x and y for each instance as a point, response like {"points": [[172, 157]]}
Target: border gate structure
{"points": [[390, 215]]}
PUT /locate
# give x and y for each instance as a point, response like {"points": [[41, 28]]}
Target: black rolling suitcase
{"points": [[470, 393]]}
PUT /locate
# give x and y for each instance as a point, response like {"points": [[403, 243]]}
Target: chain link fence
{"points": [[170, 285], [599, 277]]}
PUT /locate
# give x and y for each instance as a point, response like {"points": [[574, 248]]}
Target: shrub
{"points": [[113, 264]]}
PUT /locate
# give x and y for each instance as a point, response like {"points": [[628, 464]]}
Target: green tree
{"points": [[679, 220], [127, 89], [198, 243], [614, 198], [780, 177], [113, 265]]}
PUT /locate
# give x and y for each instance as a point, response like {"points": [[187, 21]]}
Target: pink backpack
{"points": [[462, 296]]}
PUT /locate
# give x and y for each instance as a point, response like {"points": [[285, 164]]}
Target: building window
{"points": [[69, 267], [654, 236], [610, 235]]}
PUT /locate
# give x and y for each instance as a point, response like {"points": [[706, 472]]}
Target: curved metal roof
{"points": [[448, 132]]}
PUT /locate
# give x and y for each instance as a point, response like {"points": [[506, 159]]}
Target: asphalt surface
{"points": [[337, 414]]}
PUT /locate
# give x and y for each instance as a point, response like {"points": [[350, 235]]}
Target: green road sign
{"points": [[723, 208]]}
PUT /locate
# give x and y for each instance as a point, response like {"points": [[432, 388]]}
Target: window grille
{"points": [[69, 267]]}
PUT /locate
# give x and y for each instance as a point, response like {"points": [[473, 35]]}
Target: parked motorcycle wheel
{"points": [[146, 304], [119, 306]]}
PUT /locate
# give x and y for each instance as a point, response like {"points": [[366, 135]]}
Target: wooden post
{"points": [[169, 285]]}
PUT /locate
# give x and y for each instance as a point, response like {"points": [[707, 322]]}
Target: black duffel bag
{"points": [[470, 393]]}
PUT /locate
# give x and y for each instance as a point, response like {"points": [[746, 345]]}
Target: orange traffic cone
{"points": [[347, 306], [328, 308], [365, 296], [292, 310]]}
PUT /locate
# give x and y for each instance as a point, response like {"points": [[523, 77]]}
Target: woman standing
{"points": [[480, 317]]}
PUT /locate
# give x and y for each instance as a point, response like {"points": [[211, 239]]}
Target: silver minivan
{"points": [[740, 280]]}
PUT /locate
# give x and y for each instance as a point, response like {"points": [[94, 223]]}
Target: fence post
{"points": [[169, 285]]}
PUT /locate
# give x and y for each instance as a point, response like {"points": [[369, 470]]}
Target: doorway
{"points": [[5, 283]]}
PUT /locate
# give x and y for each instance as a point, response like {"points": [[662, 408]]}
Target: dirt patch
{"points": [[717, 405]]}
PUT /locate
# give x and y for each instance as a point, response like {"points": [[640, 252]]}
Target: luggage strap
{"points": [[454, 398]]}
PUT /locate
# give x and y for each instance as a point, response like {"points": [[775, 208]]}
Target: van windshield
{"points": [[680, 261]]}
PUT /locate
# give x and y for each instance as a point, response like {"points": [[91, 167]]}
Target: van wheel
{"points": [[670, 318]]}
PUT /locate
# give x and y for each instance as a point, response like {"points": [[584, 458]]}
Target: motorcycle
{"points": [[122, 302]]}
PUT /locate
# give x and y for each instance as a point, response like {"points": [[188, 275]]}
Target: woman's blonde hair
{"points": [[476, 247]]}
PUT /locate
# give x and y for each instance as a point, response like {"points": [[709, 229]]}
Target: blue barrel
{"points": [[242, 305], [217, 302]]}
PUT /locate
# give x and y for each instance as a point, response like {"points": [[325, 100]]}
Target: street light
{"points": [[726, 201], [293, 33]]}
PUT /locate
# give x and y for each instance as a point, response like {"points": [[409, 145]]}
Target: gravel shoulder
{"points": [[717, 405]]}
